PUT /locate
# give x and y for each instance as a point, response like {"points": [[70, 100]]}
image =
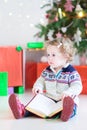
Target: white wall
{"points": [[18, 19]]}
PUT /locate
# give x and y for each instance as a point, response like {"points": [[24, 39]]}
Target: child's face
{"points": [[55, 57]]}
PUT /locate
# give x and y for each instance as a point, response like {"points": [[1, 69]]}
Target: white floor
{"points": [[7, 121]]}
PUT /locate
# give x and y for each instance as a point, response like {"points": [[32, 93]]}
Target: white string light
{"points": [[5, 1], [10, 14]]}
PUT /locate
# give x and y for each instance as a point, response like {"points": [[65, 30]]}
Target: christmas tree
{"points": [[66, 18]]}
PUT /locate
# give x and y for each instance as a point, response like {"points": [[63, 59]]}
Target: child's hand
{"points": [[37, 90]]}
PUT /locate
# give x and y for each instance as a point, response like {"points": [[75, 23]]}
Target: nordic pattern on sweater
{"points": [[66, 75]]}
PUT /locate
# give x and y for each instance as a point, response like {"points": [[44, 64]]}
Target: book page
{"points": [[44, 104]]}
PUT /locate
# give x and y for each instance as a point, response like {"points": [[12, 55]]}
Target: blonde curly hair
{"points": [[65, 45]]}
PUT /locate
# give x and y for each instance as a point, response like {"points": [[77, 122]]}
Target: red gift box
{"points": [[83, 73], [11, 62], [30, 74]]}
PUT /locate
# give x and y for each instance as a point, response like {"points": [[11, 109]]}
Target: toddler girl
{"points": [[60, 77]]}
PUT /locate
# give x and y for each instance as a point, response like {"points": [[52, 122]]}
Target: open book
{"points": [[44, 106]]}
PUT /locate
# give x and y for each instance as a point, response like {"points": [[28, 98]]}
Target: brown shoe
{"points": [[68, 105], [16, 106]]}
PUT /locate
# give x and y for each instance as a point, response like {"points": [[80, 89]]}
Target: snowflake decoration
{"points": [[50, 35], [77, 36]]}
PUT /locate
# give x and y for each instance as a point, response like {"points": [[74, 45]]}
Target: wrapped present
{"points": [[3, 83], [30, 74], [11, 62]]}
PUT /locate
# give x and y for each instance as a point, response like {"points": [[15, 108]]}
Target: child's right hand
{"points": [[37, 90]]}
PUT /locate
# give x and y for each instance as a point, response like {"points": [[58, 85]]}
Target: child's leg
{"points": [[16, 106], [68, 106], [27, 113], [74, 111]]}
